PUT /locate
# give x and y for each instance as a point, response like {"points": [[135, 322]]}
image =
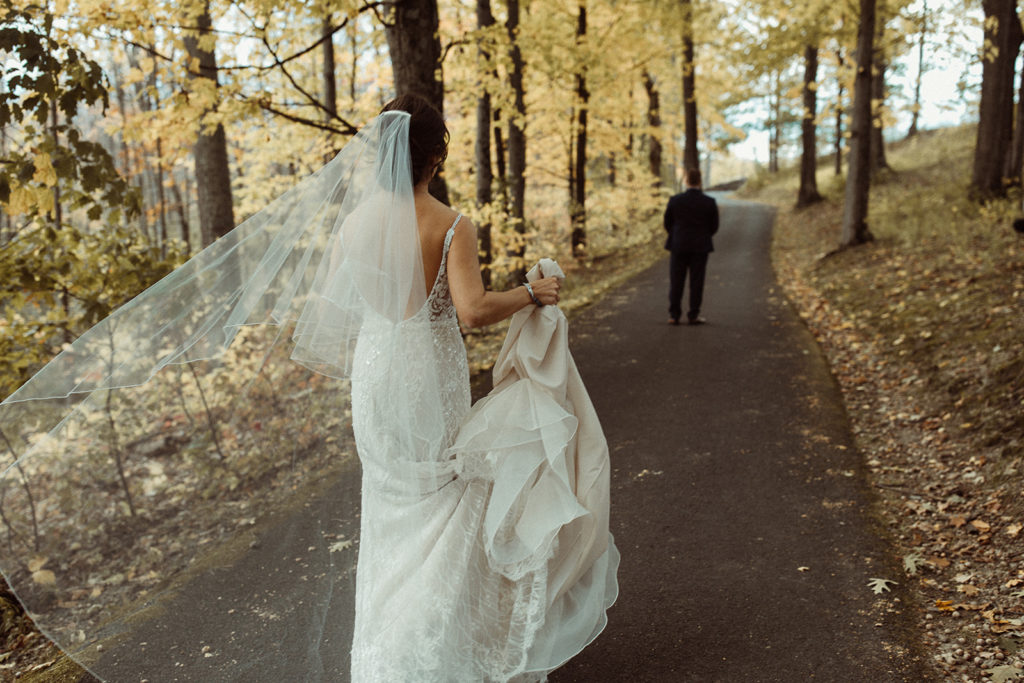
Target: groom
{"points": [[690, 220]]}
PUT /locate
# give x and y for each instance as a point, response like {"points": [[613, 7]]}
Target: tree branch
{"points": [[449, 46], [349, 129], [368, 7], [316, 103], [371, 6]]}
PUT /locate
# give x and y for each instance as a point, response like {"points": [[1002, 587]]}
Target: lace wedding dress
{"points": [[444, 589], [175, 484]]}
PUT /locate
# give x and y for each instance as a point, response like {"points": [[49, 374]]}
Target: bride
{"points": [[431, 604], [174, 492]]}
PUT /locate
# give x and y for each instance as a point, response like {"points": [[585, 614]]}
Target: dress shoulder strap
{"points": [[450, 234]]}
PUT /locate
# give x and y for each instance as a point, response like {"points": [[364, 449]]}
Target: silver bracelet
{"points": [[529, 290]]}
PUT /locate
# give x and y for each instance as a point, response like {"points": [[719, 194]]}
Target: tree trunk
{"points": [[122, 104], [570, 163], [878, 93], [1015, 159], [517, 146], [58, 222], [995, 115], [654, 126], [501, 169], [916, 111], [182, 209], [147, 104], [858, 180], [484, 177], [415, 48], [353, 41], [161, 195], [691, 158], [330, 82], [213, 177], [58, 213], [774, 123], [839, 118], [808, 193], [6, 223], [578, 209], [134, 159]]}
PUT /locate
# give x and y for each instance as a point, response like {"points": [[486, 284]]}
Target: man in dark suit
{"points": [[690, 220]]}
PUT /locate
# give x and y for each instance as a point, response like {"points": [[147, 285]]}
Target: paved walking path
{"points": [[738, 501], [739, 506]]}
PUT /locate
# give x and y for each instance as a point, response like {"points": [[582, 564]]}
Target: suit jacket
{"points": [[690, 220]]}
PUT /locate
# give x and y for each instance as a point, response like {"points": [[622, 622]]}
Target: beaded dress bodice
{"points": [[405, 414]]}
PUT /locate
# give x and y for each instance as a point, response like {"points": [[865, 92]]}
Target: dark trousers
{"points": [[696, 263]]}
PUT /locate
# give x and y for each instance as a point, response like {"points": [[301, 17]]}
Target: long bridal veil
{"points": [[178, 499]]}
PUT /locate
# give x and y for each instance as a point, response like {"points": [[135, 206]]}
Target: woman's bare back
{"points": [[433, 219]]}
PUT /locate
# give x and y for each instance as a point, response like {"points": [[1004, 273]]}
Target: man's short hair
{"points": [[693, 177]]}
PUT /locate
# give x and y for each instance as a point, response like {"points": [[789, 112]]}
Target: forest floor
{"points": [[924, 330]]}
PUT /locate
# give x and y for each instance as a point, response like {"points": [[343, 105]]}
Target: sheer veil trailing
{"points": [[177, 498]]}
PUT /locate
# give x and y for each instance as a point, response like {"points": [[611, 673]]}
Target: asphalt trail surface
{"points": [[738, 503], [738, 500]]}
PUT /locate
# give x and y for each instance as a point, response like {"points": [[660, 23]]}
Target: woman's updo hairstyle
{"points": [[428, 136]]}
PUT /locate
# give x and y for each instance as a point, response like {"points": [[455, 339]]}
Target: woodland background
{"points": [[133, 134]]}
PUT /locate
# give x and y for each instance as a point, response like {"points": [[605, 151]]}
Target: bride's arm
{"points": [[475, 305]]}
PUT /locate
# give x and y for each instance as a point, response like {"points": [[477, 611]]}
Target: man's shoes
{"points": [[673, 321], [697, 321]]}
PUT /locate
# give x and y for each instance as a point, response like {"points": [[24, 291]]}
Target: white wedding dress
{"points": [[459, 574], [170, 481]]}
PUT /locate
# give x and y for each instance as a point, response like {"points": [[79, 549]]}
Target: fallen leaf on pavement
{"points": [[879, 586]]}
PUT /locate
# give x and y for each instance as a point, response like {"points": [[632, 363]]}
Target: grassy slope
{"points": [[924, 329]]}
